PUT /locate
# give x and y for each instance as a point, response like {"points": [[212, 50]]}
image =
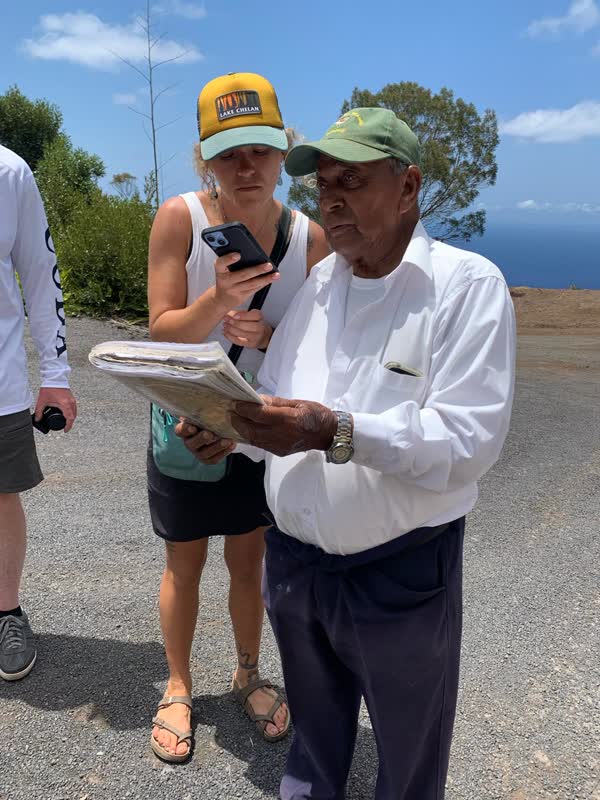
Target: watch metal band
{"points": [[344, 428]]}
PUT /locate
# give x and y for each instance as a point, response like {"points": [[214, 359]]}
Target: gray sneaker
{"points": [[17, 651]]}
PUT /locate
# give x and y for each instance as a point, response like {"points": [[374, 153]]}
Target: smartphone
{"points": [[234, 237]]}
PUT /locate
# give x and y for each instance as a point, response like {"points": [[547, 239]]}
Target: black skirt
{"points": [[182, 511]]}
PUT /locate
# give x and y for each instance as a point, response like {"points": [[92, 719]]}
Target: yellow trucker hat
{"points": [[238, 109]]}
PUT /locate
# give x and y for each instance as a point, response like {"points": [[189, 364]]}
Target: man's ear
{"points": [[413, 180]]}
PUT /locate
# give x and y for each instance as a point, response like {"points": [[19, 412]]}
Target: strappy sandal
{"points": [[182, 736], [242, 695]]}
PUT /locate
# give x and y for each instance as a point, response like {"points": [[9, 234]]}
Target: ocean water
{"points": [[554, 256]]}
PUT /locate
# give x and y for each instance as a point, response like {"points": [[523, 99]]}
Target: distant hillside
{"points": [[560, 310]]}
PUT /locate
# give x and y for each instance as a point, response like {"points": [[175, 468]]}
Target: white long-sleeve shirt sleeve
{"points": [[452, 439], [35, 262], [268, 376]]}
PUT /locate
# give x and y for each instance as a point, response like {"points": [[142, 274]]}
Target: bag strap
{"points": [[280, 248]]}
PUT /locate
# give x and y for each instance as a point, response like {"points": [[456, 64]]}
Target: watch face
{"points": [[342, 453]]}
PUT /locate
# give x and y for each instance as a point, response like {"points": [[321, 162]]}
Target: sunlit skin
{"points": [[247, 177], [369, 212]]}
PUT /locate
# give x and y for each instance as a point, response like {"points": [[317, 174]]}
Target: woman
{"points": [[194, 299]]}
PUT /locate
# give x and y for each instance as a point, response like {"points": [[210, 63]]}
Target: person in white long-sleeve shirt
{"points": [[26, 251], [401, 350]]}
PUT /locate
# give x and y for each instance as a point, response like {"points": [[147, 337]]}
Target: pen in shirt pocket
{"points": [[402, 369]]}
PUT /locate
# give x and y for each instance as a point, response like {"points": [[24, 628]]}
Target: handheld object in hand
{"points": [[52, 419], [234, 237]]}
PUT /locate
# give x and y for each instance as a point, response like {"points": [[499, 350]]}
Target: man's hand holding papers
{"points": [[194, 381], [279, 426]]}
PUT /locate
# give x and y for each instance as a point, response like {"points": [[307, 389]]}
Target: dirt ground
{"points": [[78, 727], [560, 311]]}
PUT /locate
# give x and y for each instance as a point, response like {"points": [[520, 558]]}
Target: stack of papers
{"points": [[195, 381]]}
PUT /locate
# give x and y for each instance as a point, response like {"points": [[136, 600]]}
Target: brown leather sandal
{"points": [[242, 696], [182, 736]]}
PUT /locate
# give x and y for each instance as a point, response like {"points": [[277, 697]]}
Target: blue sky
{"points": [[537, 64]]}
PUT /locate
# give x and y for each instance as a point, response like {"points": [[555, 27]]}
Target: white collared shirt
{"points": [[421, 441]]}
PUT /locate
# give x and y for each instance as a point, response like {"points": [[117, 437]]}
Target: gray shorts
{"points": [[19, 466]]}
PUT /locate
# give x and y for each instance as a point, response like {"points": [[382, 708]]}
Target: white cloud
{"points": [[188, 10], [554, 125], [581, 208], [582, 16], [85, 39], [180, 8], [569, 208], [124, 99]]}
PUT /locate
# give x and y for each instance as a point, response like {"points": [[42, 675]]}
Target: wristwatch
{"points": [[342, 448]]}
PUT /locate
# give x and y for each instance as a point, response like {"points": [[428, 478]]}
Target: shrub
{"points": [[66, 175], [103, 255]]}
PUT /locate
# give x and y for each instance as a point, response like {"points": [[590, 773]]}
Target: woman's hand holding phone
{"points": [[247, 328], [234, 288]]}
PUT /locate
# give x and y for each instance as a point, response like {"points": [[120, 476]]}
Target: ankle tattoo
{"points": [[244, 660]]}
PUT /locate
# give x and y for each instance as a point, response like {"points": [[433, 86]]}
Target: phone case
{"points": [[239, 240]]}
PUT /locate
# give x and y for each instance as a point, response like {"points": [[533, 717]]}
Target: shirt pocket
{"points": [[375, 389], [397, 387]]}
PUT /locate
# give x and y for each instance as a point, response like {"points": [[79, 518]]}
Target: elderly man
{"points": [[401, 349]]}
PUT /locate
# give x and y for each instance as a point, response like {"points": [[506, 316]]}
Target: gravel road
{"points": [[77, 728]]}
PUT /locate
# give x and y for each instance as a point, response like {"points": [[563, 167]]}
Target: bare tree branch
{"points": [[147, 134], [166, 89], [141, 113], [164, 163], [129, 64], [157, 40], [164, 125], [146, 25], [140, 21], [169, 60]]}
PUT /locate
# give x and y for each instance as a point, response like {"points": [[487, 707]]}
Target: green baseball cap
{"points": [[359, 135]]}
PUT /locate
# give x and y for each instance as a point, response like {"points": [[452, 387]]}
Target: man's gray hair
{"points": [[399, 166]]}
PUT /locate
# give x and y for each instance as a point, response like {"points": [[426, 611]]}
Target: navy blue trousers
{"points": [[384, 624]]}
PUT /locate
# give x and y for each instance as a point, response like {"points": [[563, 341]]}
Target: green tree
{"points": [[124, 183], [28, 126], [67, 176], [101, 240], [150, 188], [458, 155], [304, 195]]}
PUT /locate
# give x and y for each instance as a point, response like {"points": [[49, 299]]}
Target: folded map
{"points": [[195, 381]]}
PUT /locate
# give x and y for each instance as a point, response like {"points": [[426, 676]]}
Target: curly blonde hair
{"points": [[204, 171]]}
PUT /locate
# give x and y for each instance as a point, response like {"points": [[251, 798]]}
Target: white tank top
{"points": [[200, 268]]}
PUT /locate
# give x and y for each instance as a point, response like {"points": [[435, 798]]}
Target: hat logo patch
{"points": [[349, 116], [340, 125], [236, 104]]}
